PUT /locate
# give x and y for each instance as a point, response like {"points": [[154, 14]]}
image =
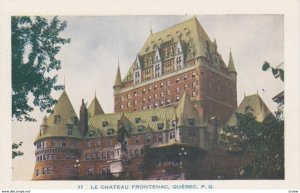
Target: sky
{"points": [[89, 62]]}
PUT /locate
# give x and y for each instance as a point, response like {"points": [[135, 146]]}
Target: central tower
{"points": [[178, 59]]}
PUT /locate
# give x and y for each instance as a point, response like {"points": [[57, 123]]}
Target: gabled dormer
{"points": [[179, 57], [157, 65], [137, 72]]}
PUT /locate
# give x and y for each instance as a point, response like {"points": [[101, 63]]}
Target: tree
{"points": [[277, 72], [36, 42], [263, 142], [15, 152]]}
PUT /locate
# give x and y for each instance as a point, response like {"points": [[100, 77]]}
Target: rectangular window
{"points": [[63, 142], [69, 129], [140, 128], [87, 156], [137, 120], [160, 126], [110, 143], [90, 171], [93, 156], [137, 140], [154, 118], [56, 119], [104, 123], [148, 138], [104, 171], [110, 131], [159, 137], [172, 134], [98, 143], [191, 121], [103, 155], [37, 172]]}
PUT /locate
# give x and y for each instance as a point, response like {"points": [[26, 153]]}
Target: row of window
{"points": [[55, 143], [155, 86], [44, 157], [45, 171], [57, 119]]}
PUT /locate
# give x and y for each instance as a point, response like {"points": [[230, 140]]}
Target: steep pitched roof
{"points": [[95, 108], [231, 67], [185, 110], [260, 109], [118, 80], [66, 116]]}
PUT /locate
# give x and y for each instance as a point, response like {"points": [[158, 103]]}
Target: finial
{"points": [[118, 62], [95, 92], [64, 83], [150, 28]]}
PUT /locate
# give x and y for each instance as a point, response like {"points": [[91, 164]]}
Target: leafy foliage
{"points": [[277, 72], [263, 142], [35, 45], [16, 153]]}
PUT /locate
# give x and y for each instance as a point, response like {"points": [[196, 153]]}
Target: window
{"points": [[149, 88], [168, 92], [74, 143], [128, 104], [148, 138], [90, 171], [110, 131], [104, 171], [193, 93], [162, 103], [56, 119], [67, 156], [159, 137], [98, 143], [89, 144], [108, 154], [137, 139], [122, 106], [177, 79], [63, 142], [37, 172], [160, 126], [155, 86], [168, 83], [174, 123], [168, 101], [177, 89], [50, 157], [103, 155], [161, 84], [87, 156], [172, 134], [47, 170], [93, 156], [137, 120], [185, 77], [137, 152], [135, 93], [135, 102], [154, 118], [194, 84], [110, 143], [140, 128], [193, 74], [67, 170], [191, 121], [185, 86], [161, 94], [149, 97], [104, 123], [144, 90], [75, 120], [191, 133], [177, 98], [44, 170], [69, 129], [155, 96]]}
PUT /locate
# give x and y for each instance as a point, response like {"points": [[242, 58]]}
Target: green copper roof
{"points": [[231, 67], [95, 108], [65, 115], [260, 109]]}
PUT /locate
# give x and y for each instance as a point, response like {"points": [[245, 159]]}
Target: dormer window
{"points": [[137, 120], [69, 129], [75, 120], [140, 128], [56, 119], [154, 118], [104, 123], [110, 131], [91, 133], [174, 123], [191, 121], [160, 126]]}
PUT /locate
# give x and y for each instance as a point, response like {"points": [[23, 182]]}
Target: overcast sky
{"points": [[90, 61]]}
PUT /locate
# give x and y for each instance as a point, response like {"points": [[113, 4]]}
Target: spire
{"points": [[95, 108], [118, 80], [231, 67], [150, 28]]}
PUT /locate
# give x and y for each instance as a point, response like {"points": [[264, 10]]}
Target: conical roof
{"points": [[260, 109], [63, 114], [231, 67], [95, 108], [118, 80]]}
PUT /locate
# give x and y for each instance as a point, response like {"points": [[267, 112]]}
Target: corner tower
{"points": [[57, 142]]}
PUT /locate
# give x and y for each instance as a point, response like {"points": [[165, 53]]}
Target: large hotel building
{"points": [[177, 92]]}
